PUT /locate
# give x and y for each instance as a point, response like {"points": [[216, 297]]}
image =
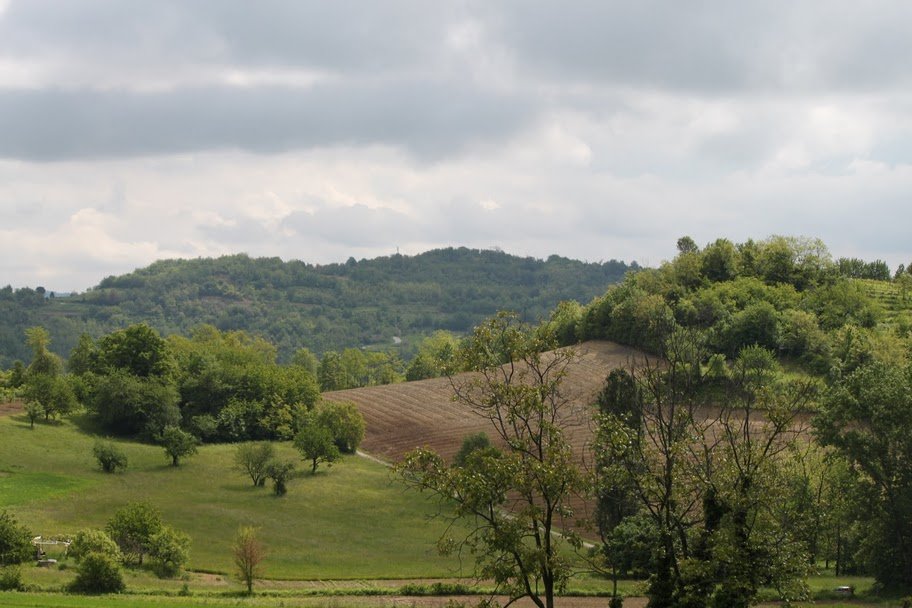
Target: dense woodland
{"points": [[294, 304]]}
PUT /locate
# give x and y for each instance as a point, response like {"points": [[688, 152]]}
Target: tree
{"points": [[93, 541], [254, 460], [517, 498], [345, 423], [703, 456], [110, 458], [316, 444], [866, 417], [33, 411], [280, 473], [170, 549], [132, 528], [138, 350], [15, 541], [177, 443], [128, 404], [84, 356], [43, 360], [248, 554]]}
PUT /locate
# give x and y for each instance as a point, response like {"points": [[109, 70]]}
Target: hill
{"points": [[401, 417], [294, 304]]}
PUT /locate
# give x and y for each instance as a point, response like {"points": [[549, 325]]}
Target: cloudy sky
{"points": [[137, 130]]}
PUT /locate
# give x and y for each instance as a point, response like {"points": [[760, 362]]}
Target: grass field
{"points": [[351, 521]]}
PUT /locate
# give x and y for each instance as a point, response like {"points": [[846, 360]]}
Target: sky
{"points": [[132, 131]]}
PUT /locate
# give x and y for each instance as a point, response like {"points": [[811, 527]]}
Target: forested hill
{"points": [[295, 304]]}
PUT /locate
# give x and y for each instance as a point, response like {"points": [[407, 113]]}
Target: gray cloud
{"points": [[428, 118], [131, 130]]}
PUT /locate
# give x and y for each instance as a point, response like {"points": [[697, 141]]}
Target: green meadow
{"points": [[351, 521]]}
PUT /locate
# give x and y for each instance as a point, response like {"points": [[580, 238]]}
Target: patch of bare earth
{"points": [[11, 408], [402, 417]]}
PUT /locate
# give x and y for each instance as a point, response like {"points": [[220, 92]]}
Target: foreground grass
{"points": [[351, 521]]}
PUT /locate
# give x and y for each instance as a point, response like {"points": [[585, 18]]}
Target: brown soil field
{"points": [[10, 408], [402, 417]]}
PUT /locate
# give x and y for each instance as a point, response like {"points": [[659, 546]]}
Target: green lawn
{"points": [[351, 521]]}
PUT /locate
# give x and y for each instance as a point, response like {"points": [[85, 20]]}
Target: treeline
{"points": [[294, 304]]}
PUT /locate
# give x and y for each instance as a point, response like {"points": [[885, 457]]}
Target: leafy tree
{"points": [[98, 573], [90, 540], [710, 483], [15, 541], [316, 444], [177, 443], [53, 393], [84, 356], [170, 549], [687, 245], [344, 421], [128, 404], [110, 457], [331, 372], [254, 460], [138, 350], [518, 497], [306, 359], [471, 443], [280, 473], [866, 417], [720, 261], [132, 528], [33, 411], [248, 553], [44, 362]]}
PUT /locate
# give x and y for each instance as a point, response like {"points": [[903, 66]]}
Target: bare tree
{"points": [[249, 552]]}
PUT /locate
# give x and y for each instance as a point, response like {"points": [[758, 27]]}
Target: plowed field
{"points": [[401, 417]]}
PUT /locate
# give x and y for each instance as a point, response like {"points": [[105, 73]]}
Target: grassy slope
{"points": [[352, 521]]}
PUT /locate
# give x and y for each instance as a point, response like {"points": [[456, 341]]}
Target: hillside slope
{"points": [[401, 417]]}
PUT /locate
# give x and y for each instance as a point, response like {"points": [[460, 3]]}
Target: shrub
{"points": [[98, 573], [280, 473], [15, 541], [93, 541], [470, 443], [11, 578], [110, 457]]}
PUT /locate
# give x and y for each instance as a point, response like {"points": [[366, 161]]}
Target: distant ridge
{"points": [[293, 304]]}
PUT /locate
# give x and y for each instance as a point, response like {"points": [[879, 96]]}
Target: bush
{"points": [[15, 541], [280, 473], [110, 458], [470, 443], [11, 578], [98, 573], [93, 541]]}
